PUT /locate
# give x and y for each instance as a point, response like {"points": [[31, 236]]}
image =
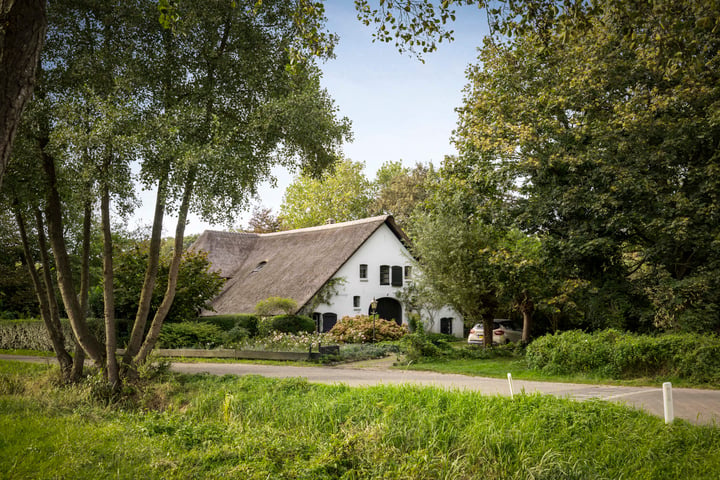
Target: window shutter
{"points": [[397, 276]]}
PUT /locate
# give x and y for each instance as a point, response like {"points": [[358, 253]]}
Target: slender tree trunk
{"points": [[73, 307], [52, 323], [113, 374], [78, 360], [488, 330], [154, 332], [527, 307], [23, 24], [138, 331], [85, 263], [78, 363]]}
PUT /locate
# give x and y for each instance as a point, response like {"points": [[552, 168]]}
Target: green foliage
{"points": [[17, 296], [275, 306], [401, 190], [615, 354], [360, 328], [342, 194], [196, 286], [190, 335], [32, 334], [605, 139], [217, 427], [292, 324], [228, 322]]}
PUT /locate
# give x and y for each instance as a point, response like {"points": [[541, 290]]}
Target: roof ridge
{"points": [[330, 226]]}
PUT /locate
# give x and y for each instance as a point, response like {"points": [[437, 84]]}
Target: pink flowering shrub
{"points": [[359, 329]]}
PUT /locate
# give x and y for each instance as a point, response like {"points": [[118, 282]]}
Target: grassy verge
{"points": [[251, 427], [32, 353], [499, 368]]}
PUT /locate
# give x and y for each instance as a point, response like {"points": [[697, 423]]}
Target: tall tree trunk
{"points": [[527, 307], [52, 322], [113, 374], [85, 262], [73, 307], [23, 24], [138, 331], [488, 329], [154, 332]]}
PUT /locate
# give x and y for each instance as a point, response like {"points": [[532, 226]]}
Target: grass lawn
{"points": [[202, 426], [501, 366]]}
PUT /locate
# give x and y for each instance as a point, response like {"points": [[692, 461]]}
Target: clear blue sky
{"points": [[400, 108]]}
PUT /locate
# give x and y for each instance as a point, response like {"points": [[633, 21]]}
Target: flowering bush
{"points": [[283, 342], [359, 329]]}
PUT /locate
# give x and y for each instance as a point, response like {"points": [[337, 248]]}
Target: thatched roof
{"points": [[297, 263]]}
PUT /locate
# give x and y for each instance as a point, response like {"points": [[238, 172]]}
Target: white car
{"points": [[510, 332], [477, 334], [504, 331]]}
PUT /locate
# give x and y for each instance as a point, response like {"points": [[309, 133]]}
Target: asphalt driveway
{"points": [[694, 405]]}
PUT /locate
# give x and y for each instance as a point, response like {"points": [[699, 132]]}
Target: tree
{"points": [[225, 96], [401, 191], [22, 31], [454, 236], [196, 285], [263, 221], [605, 121], [16, 290], [340, 195]]}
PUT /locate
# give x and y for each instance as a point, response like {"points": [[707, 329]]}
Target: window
{"points": [[384, 275], [356, 301], [397, 276], [259, 266], [363, 271], [408, 272], [446, 325]]}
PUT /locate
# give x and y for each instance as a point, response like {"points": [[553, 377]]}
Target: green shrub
{"points": [[276, 305], [359, 329], [190, 334], [354, 352], [416, 346], [625, 355], [31, 334], [227, 322], [235, 335], [292, 324]]}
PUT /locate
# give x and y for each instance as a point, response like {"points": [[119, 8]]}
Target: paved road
{"points": [[694, 405]]}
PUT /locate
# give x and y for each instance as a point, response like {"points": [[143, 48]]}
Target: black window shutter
{"points": [[397, 276]]}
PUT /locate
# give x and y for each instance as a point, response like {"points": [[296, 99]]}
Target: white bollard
{"points": [[511, 385], [668, 402]]}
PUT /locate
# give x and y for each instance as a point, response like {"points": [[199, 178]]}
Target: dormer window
{"points": [[259, 266]]}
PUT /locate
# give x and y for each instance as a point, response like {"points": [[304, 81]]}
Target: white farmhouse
{"points": [[331, 271]]}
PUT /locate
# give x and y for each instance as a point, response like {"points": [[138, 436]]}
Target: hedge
{"points": [[31, 334], [626, 355], [228, 322]]}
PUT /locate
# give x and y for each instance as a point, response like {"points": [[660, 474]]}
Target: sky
{"points": [[400, 108]]}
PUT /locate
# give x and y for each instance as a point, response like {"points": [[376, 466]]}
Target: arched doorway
{"points": [[388, 309], [328, 321]]}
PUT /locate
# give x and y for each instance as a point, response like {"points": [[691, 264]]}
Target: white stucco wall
{"points": [[382, 248]]}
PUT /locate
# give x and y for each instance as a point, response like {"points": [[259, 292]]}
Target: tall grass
{"points": [[257, 428]]}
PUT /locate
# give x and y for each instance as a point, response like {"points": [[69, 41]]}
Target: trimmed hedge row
{"points": [[31, 334], [626, 355]]}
